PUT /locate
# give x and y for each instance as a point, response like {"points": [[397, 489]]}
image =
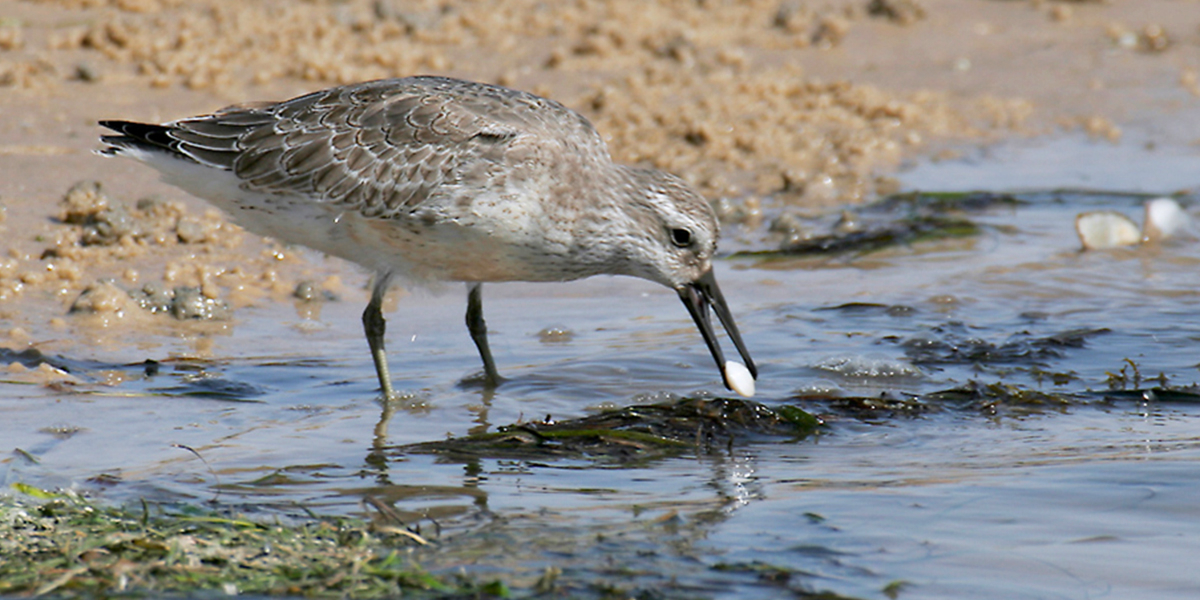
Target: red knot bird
{"points": [[437, 179]]}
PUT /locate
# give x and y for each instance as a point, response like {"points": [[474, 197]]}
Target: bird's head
{"points": [[678, 233]]}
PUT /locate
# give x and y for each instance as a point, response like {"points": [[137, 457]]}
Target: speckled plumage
{"points": [[430, 178]]}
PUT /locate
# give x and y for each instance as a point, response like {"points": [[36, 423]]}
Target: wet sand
{"points": [[761, 104]]}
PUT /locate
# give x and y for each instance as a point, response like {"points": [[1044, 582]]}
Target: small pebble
{"points": [[555, 335], [86, 72], [190, 304], [305, 291]]}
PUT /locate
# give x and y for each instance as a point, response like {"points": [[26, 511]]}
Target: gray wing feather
{"points": [[385, 147], [381, 147]]}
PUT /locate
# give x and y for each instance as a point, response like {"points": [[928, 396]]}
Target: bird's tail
{"points": [[137, 136]]}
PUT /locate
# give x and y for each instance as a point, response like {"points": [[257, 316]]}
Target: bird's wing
{"points": [[383, 147]]}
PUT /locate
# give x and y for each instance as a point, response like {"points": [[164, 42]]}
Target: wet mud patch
{"points": [[181, 302], [175, 377], [32, 358], [54, 371], [206, 385]]}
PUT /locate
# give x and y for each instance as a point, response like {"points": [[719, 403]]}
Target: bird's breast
{"points": [[489, 238]]}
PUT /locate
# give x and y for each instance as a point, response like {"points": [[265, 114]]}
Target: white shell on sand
{"points": [[1106, 229], [739, 378], [1164, 219]]}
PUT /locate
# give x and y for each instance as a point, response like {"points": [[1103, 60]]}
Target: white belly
{"points": [[484, 240]]}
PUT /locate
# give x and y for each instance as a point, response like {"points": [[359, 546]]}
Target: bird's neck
{"points": [[611, 231]]}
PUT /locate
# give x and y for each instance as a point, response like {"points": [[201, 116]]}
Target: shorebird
{"points": [[438, 179]]}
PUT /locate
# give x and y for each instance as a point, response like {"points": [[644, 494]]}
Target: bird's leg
{"points": [[374, 325], [478, 331]]}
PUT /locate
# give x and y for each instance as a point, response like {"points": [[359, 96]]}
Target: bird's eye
{"points": [[681, 237]]}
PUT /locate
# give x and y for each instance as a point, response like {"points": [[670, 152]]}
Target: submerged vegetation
{"points": [[897, 220], [636, 432], [64, 545]]}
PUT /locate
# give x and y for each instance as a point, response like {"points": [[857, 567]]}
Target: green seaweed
{"points": [[62, 545], [908, 230], [633, 433]]}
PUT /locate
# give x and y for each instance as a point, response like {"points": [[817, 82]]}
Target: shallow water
{"points": [[1094, 498]]}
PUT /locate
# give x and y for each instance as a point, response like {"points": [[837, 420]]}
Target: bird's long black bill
{"points": [[698, 296]]}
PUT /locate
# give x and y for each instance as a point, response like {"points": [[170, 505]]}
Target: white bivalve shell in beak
{"points": [[739, 378]]}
